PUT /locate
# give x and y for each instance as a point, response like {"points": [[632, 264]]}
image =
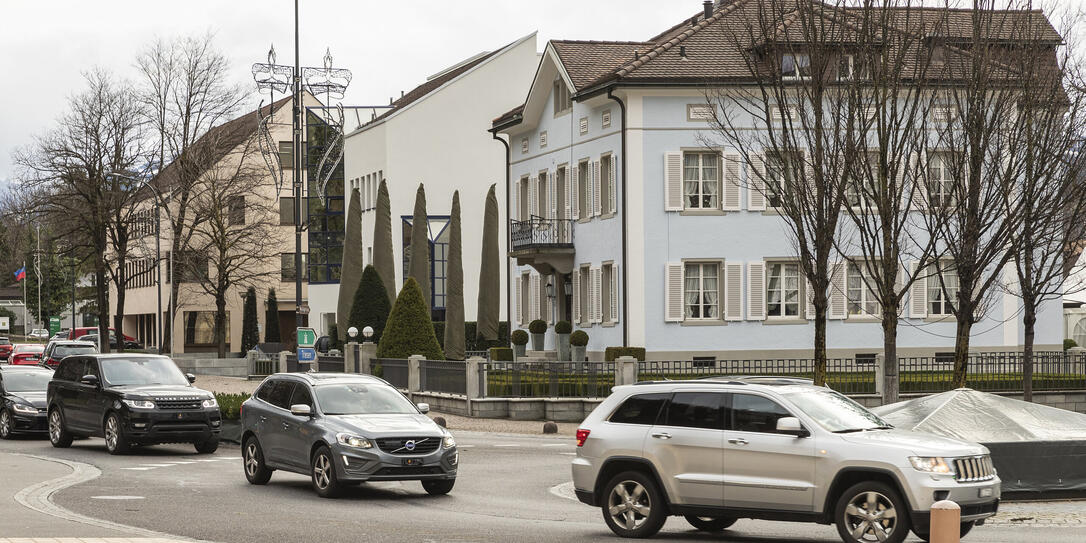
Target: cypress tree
{"points": [[384, 260], [419, 265], [351, 271], [250, 332], [271, 319], [454, 288], [409, 330], [370, 307]]}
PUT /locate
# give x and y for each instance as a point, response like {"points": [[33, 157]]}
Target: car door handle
{"points": [[662, 435], [738, 441]]}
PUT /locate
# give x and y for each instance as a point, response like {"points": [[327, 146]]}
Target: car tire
{"points": [[113, 431], [438, 487], [861, 511], [59, 436], [926, 536], [207, 446], [633, 505], [6, 429], [710, 524], [252, 458], [323, 472]]}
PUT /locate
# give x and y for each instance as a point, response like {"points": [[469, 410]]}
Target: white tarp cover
{"points": [[984, 418]]}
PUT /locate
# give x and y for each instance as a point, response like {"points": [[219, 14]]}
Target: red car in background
{"points": [[5, 348], [26, 353]]}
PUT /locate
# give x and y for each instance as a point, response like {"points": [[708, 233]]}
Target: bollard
{"points": [[550, 427], [440, 421], [946, 522]]}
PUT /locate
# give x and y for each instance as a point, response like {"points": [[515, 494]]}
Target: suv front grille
{"points": [[178, 404], [399, 445], [974, 468]]}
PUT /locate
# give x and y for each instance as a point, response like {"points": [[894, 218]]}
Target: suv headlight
{"points": [[25, 409], [354, 441], [210, 402], [139, 404], [931, 464], [448, 442]]}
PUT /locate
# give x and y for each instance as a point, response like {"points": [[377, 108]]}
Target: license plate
{"points": [[412, 461]]}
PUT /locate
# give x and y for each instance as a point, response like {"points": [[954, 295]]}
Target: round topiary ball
{"points": [[563, 327], [519, 337], [538, 327], [578, 338]]}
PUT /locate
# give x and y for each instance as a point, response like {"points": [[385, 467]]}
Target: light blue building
{"points": [[626, 223]]}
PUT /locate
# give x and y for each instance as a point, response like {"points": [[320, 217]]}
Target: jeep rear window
{"points": [[640, 409]]}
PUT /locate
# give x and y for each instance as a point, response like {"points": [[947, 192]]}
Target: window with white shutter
{"points": [[612, 194], [673, 181], [574, 194], [733, 291], [615, 280], [533, 198], [576, 275], [597, 299], [732, 184], [606, 293], [597, 206], [756, 291], [586, 312], [838, 306], [552, 195], [756, 184], [809, 292], [533, 298], [918, 292], [583, 204], [540, 207], [565, 191], [673, 292]]}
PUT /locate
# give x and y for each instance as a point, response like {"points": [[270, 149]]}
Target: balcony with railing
{"points": [[543, 243]]}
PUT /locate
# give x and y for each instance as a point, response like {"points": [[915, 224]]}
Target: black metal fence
{"points": [[393, 370], [264, 366], [541, 232], [994, 372], [330, 363], [448, 376], [845, 375], [547, 379]]}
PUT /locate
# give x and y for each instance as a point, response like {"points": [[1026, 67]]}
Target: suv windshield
{"points": [[36, 381], [60, 351], [142, 371], [362, 399], [835, 412]]}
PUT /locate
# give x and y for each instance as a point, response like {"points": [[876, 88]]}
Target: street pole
{"points": [[158, 274], [37, 274], [72, 327], [297, 107]]}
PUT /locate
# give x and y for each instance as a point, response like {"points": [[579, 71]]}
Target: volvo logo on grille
{"points": [[410, 445]]}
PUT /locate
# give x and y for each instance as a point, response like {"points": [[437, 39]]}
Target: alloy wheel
{"points": [[629, 505], [320, 471], [54, 426], [5, 424], [251, 464], [870, 516], [111, 433]]}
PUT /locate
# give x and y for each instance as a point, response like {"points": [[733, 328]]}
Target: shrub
{"points": [[250, 332], [519, 337], [439, 331], [230, 404], [501, 354], [578, 338], [333, 338], [611, 354], [476, 343], [409, 330], [563, 327], [370, 306], [1068, 343], [271, 319], [538, 326]]}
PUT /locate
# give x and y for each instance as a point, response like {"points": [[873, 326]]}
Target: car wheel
{"points": [[256, 472], [710, 524], [438, 487], [871, 511], [634, 506], [926, 536], [5, 424], [207, 446], [324, 474], [58, 435], [116, 442]]}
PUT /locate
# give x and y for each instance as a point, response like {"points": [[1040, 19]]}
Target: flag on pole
{"points": [[20, 274]]}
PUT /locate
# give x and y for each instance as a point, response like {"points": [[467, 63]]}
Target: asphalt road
{"points": [[510, 488]]}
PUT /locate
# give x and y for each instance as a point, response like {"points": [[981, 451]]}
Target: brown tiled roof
{"points": [[586, 61]]}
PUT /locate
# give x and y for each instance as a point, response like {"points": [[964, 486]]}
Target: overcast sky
{"points": [[389, 45]]}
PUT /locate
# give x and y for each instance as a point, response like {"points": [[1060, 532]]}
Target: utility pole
{"points": [[37, 274]]}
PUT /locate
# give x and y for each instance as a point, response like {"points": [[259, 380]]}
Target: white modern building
{"points": [[626, 223], [436, 134]]}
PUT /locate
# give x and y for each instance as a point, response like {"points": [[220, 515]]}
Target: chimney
{"points": [[708, 6]]}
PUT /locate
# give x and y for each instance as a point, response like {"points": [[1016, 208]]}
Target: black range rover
{"points": [[130, 399]]}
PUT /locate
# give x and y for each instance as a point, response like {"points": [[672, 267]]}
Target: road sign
{"points": [[5, 323], [307, 337], [307, 354], [54, 325]]}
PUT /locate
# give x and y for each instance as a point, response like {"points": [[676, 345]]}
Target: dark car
{"points": [[92, 337], [22, 399], [342, 430], [5, 348], [130, 399], [57, 350]]}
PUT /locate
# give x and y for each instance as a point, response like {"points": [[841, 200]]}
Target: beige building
{"points": [[232, 144]]}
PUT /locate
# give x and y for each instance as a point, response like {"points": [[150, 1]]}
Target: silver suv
{"points": [[717, 450]]}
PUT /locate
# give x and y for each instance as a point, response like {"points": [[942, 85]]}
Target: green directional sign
{"points": [[307, 337], [54, 325]]}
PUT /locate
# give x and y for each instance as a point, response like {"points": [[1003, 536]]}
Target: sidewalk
{"points": [[236, 385]]}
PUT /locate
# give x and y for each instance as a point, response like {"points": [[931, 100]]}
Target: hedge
{"points": [[409, 330], [473, 342], [230, 404], [501, 354], [611, 354]]}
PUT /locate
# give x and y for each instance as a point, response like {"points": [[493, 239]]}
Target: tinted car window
{"points": [[301, 396], [280, 394], [70, 370], [750, 413], [91, 368], [60, 351], [696, 410], [265, 390], [640, 409]]}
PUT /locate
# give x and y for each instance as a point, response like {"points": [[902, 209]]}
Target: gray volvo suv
{"points": [[717, 450], [343, 430]]}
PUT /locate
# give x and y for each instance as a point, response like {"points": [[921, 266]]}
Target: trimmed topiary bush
{"points": [[333, 338], [409, 330], [563, 327], [611, 354], [370, 307], [271, 319], [578, 338], [519, 337], [538, 326], [501, 354], [1069, 343], [250, 332]]}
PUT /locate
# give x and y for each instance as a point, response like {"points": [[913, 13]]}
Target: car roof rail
{"points": [[700, 381], [769, 379]]}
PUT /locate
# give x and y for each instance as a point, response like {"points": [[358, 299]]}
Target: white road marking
{"points": [[229, 458], [568, 454], [557, 445], [507, 445], [117, 497], [158, 465], [564, 490], [139, 469]]}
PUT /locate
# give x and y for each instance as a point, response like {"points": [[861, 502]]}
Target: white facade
{"points": [[441, 140]]}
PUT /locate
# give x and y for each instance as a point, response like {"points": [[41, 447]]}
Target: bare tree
{"points": [[70, 170]]}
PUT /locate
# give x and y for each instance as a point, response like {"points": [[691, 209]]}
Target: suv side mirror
{"points": [[423, 407], [190, 377], [91, 380], [791, 426], [301, 410]]}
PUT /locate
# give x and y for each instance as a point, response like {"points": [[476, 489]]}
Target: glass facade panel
{"points": [[326, 219]]}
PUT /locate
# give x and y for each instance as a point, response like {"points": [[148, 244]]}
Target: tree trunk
{"points": [[118, 320], [961, 350], [220, 325], [1029, 320], [101, 287], [890, 378], [820, 340]]}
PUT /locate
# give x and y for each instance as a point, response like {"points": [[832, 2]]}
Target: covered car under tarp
{"points": [[1036, 449]]}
